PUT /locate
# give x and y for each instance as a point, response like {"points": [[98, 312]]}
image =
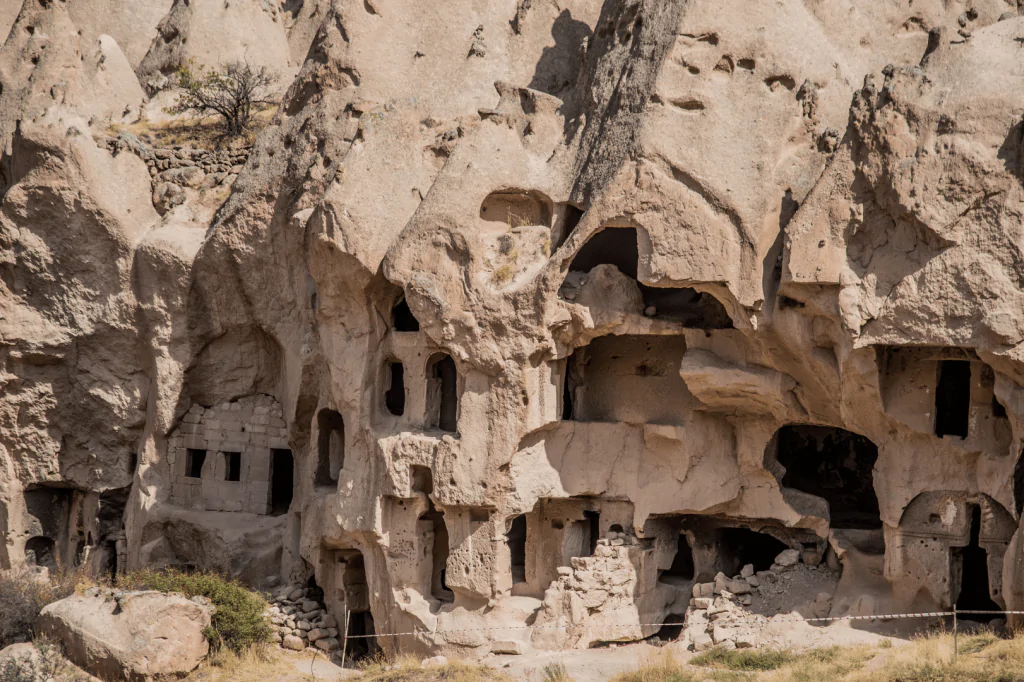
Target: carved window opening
{"points": [[282, 481], [974, 594], [836, 465], [516, 537], [442, 393], [953, 398], [402, 319], [232, 466], [330, 446], [194, 461], [394, 398]]}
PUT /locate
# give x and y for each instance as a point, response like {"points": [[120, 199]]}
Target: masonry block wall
{"points": [[220, 457]]}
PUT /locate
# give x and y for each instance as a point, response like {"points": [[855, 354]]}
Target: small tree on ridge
{"points": [[231, 92]]}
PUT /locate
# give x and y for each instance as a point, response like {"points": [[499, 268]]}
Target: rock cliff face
{"points": [[541, 312]]}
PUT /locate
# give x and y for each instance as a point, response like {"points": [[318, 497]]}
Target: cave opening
{"points": [[394, 398], [974, 592], [516, 538], [438, 555], [353, 597], [836, 465], [41, 551], [682, 568], [282, 480], [442, 393], [330, 447], [618, 246], [741, 546], [953, 398], [671, 627], [402, 319], [233, 466], [194, 461], [568, 386], [1018, 484], [593, 521]]}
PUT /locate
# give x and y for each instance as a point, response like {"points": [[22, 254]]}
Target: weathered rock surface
{"points": [[588, 315], [129, 635]]}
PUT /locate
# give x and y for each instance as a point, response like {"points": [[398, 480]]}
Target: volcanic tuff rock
{"points": [[522, 312]]}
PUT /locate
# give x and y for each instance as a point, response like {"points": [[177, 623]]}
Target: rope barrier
{"points": [[750, 618]]}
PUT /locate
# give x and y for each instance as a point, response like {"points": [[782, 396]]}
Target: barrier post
{"points": [[344, 645], [954, 633]]}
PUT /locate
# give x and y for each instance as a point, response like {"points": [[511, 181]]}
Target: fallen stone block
{"points": [[130, 635]]}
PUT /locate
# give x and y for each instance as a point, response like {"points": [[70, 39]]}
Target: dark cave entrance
{"points": [[41, 551], [438, 555], [282, 480], [355, 594], [974, 588], [682, 568], [568, 386], [330, 447], [618, 246], [836, 465], [516, 537], [402, 319], [442, 393], [953, 398], [394, 398], [741, 546]]}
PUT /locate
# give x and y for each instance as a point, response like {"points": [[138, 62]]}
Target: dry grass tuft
{"points": [[23, 596]]}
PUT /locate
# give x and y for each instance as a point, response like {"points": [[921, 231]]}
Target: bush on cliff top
{"points": [[238, 622]]}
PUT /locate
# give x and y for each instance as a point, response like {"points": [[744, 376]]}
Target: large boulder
{"points": [[129, 635]]}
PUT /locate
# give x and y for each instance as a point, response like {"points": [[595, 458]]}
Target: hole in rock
{"points": [[953, 398], [330, 446], [433, 524], [194, 460], [833, 464], [671, 627], [348, 590], [593, 520], [998, 411], [568, 386], [41, 551], [618, 246], [741, 546], [402, 319], [571, 218], [516, 537], [422, 480], [282, 480], [394, 398], [682, 568], [232, 466], [442, 393], [974, 589]]}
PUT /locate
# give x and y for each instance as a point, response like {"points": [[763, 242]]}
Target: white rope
{"points": [[751, 618]]}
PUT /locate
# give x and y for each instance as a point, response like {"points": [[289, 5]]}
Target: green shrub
{"points": [[23, 596], [238, 623], [744, 659]]}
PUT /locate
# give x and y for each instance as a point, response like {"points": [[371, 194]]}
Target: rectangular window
{"points": [[232, 466], [194, 460], [953, 398]]}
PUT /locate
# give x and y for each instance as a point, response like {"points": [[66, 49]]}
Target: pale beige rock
{"points": [[511, 304], [132, 635]]}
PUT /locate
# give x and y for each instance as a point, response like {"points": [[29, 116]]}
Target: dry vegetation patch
{"points": [[983, 657]]}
